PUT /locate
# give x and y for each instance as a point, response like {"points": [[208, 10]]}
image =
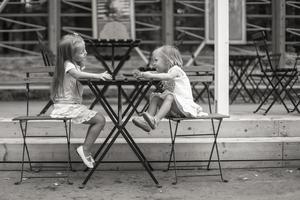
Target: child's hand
{"points": [[105, 76], [136, 73]]}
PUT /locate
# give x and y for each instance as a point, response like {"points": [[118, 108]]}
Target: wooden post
{"points": [[54, 26], [168, 22], [94, 19], [278, 29], [221, 35]]}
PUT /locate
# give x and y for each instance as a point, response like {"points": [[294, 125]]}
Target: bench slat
{"points": [[200, 68], [46, 80], [204, 78], [46, 69], [38, 80]]}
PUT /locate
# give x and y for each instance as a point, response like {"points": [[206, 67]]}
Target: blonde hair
{"points": [[66, 50], [170, 54]]}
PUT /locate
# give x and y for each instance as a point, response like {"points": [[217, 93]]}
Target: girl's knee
{"points": [[155, 98], [99, 119], [169, 98]]}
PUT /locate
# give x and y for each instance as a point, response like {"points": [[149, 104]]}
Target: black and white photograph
{"points": [[149, 99]]}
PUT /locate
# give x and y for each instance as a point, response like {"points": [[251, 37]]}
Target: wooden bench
{"points": [[197, 74]]}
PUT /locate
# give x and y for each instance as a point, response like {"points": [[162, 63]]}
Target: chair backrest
{"points": [[266, 60], [202, 73], [47, 54], [37, 76], [260, 43]]}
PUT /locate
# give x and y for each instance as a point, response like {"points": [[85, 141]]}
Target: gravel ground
{"points": [[244, 184]]}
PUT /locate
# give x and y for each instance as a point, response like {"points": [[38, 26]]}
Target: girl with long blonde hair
{"points": [[67, 92]]}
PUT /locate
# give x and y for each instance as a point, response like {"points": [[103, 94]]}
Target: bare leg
{"points": [[96, 125], [164, 108], [154, 103]]}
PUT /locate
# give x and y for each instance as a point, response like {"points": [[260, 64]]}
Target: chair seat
{"points": [[209, 116], [43, 117]]}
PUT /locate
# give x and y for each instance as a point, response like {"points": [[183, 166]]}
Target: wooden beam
{"points": [[278, 29], [221, 57], [3, 4], [54, 26], [168, 22]]}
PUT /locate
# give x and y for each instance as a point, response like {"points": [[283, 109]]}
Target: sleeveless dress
{"points": [[181, 90], [69, 104]]}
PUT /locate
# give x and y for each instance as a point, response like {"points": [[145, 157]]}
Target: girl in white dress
{"points": [[176, 100], [67, 92]]}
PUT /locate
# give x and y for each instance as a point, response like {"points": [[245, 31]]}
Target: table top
{"points": [[119, 80], [112, 42]]}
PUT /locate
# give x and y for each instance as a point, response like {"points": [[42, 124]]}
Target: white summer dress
{"points": [[69, 104], [181, 90]]}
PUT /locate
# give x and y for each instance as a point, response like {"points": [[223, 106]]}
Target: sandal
{"points": [[150, 120]]}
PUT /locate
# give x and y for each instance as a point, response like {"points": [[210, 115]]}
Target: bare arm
{"points": [[79, 74], [159, 76]]}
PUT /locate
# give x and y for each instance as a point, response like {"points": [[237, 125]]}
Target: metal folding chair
{"points": [[213, 117], [279, 80], [25, 120]]}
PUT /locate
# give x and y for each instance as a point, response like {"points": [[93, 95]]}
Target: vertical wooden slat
{"points": [[168, 22], [54, 26], [278, 29]]}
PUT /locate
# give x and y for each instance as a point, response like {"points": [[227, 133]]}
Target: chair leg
{"points": [[24, 133], [68, 137], [278, 93], [174, 157], [23, 155], [172, 145], [25, 149], [68, 134], [172, 153], [219, 163], [215, 146]]}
